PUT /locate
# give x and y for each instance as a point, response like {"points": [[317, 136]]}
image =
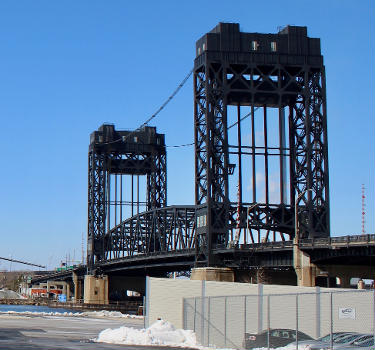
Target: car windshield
{"points": [[327, 337], [367, 340], [347, 339]]}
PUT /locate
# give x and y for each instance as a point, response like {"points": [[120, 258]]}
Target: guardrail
{"points": [[354, 240]]}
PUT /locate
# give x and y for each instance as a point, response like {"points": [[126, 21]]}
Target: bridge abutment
{"points": [[305, 270], [96, 289], [77, 282], [219, 274]]}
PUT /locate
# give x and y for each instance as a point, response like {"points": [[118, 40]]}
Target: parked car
{"points": [[322, 341], [366, 342], [278, 337], [340, 342]]}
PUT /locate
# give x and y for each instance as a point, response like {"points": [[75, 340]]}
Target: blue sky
{"points": [[66, 67]]}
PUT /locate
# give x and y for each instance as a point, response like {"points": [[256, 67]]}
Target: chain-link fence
{"points": [[322, 320]]}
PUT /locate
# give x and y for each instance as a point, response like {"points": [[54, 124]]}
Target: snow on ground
{"points": [[10, 294], [160, 333], [287, 347], [93, 314], [105, 313]]}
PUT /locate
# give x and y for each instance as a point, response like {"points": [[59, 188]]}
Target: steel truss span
{"points": [[279, 79], [173, 229], [168, 229]]}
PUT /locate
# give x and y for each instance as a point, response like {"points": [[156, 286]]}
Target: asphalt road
{"points": [[53, 332]]}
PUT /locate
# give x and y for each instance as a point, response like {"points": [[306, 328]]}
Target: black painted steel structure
{"points": [[112, 155], [161, 230], [260, 148], [280, 74], [355, 250]]}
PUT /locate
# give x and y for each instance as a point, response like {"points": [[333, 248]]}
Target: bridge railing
{"points": [[343, 240]]}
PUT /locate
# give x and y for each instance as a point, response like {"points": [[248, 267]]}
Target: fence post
{"points": [[317, 313], [208, 321], [225, 322], [244, 315], [331, 307], [296, 321], [147, 313], [144, 313], [373, 310], [268, 321], [184, 311], [195, 312], [203, 306], [260, 307]]}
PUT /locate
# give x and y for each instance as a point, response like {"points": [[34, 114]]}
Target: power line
{"points": [[230, 127], [243, 118], [22, 262], [183, 145], [169, 99]]}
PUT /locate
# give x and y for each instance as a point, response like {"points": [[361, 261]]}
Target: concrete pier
{"points": [[96, 289], [220, 274]]}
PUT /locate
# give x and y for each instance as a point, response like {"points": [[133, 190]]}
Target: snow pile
{"points": [[105, 313], [288, 347], [160, 333], [32, 313], [9, 294], [93, 314]]}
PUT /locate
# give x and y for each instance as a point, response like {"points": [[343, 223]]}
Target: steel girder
{"points": [[211, 159], [309, 153], [96, 205], [157, 181]]}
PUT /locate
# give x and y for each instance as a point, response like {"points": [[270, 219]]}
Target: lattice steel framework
{"points": [[161, 230], [281, 71], [113, 154]]}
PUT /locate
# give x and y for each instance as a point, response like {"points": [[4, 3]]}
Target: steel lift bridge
{"points": [[260, 140]]}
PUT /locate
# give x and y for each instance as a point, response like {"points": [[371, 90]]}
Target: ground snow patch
{"points": [[10, 294], [160, 333], [93, 314], [105, 313], [288, 347]]}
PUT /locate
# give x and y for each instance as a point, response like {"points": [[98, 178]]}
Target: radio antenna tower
{"points": [[83, 251], [363, 210]]}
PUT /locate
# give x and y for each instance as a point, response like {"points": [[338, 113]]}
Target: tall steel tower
{"points": [[260, 125], [116, 161]]}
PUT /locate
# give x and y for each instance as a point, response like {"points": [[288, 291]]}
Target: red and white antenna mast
{"points": [[363, 210]]}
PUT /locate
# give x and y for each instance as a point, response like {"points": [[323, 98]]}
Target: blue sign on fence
{"points": [[62, 298]]}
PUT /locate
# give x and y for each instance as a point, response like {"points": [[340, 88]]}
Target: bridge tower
{"points": [[112, 155], [279, 81]]}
